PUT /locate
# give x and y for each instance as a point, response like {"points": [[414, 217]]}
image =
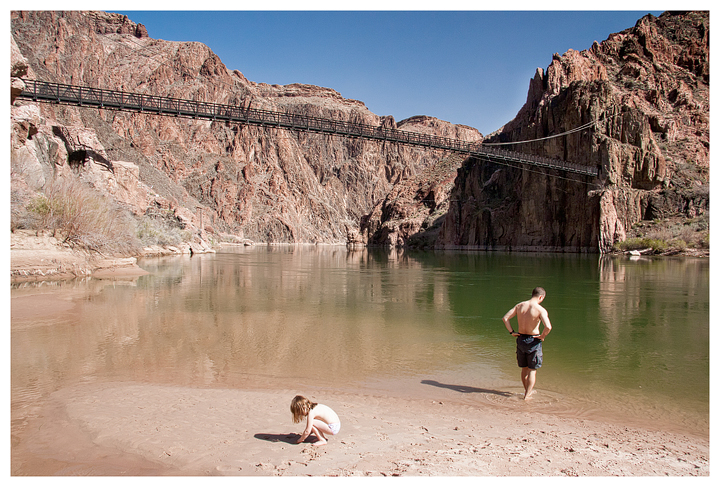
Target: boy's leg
{"points": [[524, 372], [530, 383]]}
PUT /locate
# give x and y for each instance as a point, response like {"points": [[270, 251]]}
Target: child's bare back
{"points": [[325, 413]]}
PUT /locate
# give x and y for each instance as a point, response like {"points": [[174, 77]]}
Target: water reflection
{"points": [[295, 312], [654, 315], [323, 315]]}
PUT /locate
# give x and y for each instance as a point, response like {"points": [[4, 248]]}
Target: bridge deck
{"points": [[42, 91]]}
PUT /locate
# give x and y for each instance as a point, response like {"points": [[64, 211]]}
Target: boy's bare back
{"points": [[529, 316]]}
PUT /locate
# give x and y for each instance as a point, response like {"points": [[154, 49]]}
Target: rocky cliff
{"points": [[642, 96], [216, 180], [647, 90]]}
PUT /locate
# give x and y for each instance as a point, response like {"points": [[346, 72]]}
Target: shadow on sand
{"points": [[287, 438], [465, 389]]}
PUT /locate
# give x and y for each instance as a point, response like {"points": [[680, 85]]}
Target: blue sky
{"points": [[466, 67]]}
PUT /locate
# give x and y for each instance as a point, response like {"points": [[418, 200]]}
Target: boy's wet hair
{"points": [[300, 406]]}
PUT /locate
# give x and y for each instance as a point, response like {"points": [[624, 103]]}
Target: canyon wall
{"points": [[642, 96], [647, 90], [222, 179]]}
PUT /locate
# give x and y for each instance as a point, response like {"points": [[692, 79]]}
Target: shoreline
{"points": [[128, 428], [244, 429], [40, 257]]}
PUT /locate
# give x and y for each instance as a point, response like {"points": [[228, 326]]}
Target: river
{"points": [[629, 342]]}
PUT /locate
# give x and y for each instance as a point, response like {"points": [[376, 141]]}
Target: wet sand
{"points": [[142, 429]]}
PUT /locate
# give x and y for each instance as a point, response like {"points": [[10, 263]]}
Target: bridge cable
{"points": [[568, 132]]}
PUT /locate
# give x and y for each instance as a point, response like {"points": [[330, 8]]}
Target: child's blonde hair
{"points": [[300, 406]]}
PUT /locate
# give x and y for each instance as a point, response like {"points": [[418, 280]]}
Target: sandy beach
{"points": [[125, 428], [141, 429]]}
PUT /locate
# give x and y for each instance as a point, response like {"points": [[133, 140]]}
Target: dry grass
{"points": [[158, 230], [669, 235], [80, 216]]}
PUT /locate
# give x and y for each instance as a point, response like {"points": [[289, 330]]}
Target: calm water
{"points": [[629, 340]]}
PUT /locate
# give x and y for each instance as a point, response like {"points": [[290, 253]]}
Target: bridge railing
{"points": [[119, 100]]}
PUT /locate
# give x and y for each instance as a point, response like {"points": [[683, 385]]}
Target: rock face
{"points": [[647, 88], [254, 183], [642, 97], [413, 210]]}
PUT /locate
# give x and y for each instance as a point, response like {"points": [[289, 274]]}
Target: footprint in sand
{"points": [[312, 452], [227, 469]]}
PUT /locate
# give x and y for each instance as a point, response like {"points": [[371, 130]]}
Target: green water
{"points": [[629, 340]]}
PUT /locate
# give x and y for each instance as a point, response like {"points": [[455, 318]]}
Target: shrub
{"points": [[158, 231], [639, 243], [678, 244], [83, 218], [704, 242]]}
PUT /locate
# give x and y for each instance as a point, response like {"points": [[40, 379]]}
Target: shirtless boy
{"points": [[529, 339]]}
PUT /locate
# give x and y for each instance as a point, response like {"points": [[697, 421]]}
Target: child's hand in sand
{"points": [[322, 421]]}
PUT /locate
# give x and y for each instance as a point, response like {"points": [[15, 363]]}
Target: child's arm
{"points": [[308, 428]]}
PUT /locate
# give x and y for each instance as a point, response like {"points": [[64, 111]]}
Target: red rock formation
{"points": [[256, 183], [648, 89], [411, 213]]}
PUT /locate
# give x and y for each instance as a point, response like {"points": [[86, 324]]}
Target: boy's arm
{"points": [[506, 320], [547, 327]]}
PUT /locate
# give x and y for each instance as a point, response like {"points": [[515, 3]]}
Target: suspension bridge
{"points": [[83, 96]]}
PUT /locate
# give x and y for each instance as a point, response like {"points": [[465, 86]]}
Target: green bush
{"points": [[678, 244], [640, 243]]}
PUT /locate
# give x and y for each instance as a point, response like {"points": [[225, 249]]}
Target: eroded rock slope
{"points": [[647, 89]]}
